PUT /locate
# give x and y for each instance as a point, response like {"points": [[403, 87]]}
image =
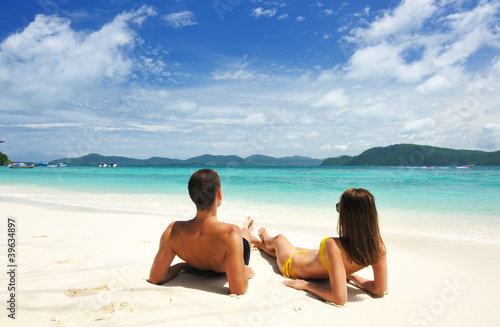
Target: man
{"points": [[204, 242]]}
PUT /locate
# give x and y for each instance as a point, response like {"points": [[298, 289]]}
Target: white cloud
{"points": [[407, 17], [419, 126], [282, 16], [496, 64], [335, 98], [433, 84], [327, 147], [261, 12], [300, 18], [182, 106], [396, 46], [383, 61], [313, 135], [45, 125], [255, 119], [470, 31], [50, 63], [239, 74], [239, 71], [154, 128], [180, 19]]}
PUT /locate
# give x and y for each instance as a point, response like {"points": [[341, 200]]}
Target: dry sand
{"points": [[82, 267]]}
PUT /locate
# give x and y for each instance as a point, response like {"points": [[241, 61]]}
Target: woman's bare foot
{"points": [[248, 224], [259, 244], [262, 234]]}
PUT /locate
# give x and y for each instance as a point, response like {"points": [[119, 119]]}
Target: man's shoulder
{"points": [[227, 230], [170, 231], [227, 233]]}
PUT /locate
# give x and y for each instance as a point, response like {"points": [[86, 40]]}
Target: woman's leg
{"points": [[277, 246]]}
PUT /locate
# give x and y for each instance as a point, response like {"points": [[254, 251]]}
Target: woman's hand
{"points": [[298, 284]]}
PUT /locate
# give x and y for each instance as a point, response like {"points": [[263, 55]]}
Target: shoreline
{"points": [[481, 228], [81, 268]]}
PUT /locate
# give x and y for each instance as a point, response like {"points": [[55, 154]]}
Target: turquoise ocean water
{"points": [[445, 200]]}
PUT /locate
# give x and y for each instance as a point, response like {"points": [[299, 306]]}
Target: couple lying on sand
{"points": [[208, 244]]}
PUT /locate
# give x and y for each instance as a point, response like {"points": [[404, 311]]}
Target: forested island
{"points": [[4, 160], [204, 160], [416, 155], [394, 155]]}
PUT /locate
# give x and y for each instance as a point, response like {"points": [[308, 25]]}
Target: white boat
{"points": [[465, 167], [112, 165], [20, 165], [59, 165]]}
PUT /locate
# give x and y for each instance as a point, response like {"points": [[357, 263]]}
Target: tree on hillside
{"points": [[3, 159]]}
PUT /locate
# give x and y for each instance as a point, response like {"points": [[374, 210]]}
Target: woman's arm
{"points": [[335, 295], [377, 286]]}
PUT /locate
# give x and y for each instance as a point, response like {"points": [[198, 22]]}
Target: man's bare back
{"points": [[204, 242]]}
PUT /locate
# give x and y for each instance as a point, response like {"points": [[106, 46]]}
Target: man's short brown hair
{"points": [[203, 187]]}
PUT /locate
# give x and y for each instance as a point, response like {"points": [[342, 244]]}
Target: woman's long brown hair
{"points": [[358, 227]]}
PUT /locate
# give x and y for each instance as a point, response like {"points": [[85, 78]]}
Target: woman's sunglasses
{"points": [[337, 207]]}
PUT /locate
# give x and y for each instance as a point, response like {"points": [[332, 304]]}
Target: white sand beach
{"points": [[83, 267]]}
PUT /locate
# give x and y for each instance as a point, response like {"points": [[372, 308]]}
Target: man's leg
{"points": [[247, 229]]}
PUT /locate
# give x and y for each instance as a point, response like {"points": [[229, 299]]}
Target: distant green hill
{"points": [[337, 161], [394, 155], [204, 160], [211, 160], [262, 160], [94, 159], [4, 160], [416, 155]]}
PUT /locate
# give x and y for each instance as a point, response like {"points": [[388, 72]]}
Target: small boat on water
{"points": [[428, 167], [112, 165], [465, 167], [20, 165], [59, 165], [42, 164]]}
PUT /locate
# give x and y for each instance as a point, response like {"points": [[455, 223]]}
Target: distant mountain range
{"points": [[394, 155], [204, 160]]}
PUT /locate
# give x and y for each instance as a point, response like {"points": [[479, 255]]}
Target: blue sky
{"points": [[184, 78]]}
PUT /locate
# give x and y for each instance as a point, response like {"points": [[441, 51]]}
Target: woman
{"points": [[359, 245]]}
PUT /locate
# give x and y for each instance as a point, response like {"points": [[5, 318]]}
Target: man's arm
{"points": [[236, 271], [161, 271]]}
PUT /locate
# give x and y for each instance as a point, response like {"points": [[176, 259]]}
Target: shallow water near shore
{"points": [[443, 201]]}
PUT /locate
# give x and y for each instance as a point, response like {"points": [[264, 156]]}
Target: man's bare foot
{"points": [[248, 224]]}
